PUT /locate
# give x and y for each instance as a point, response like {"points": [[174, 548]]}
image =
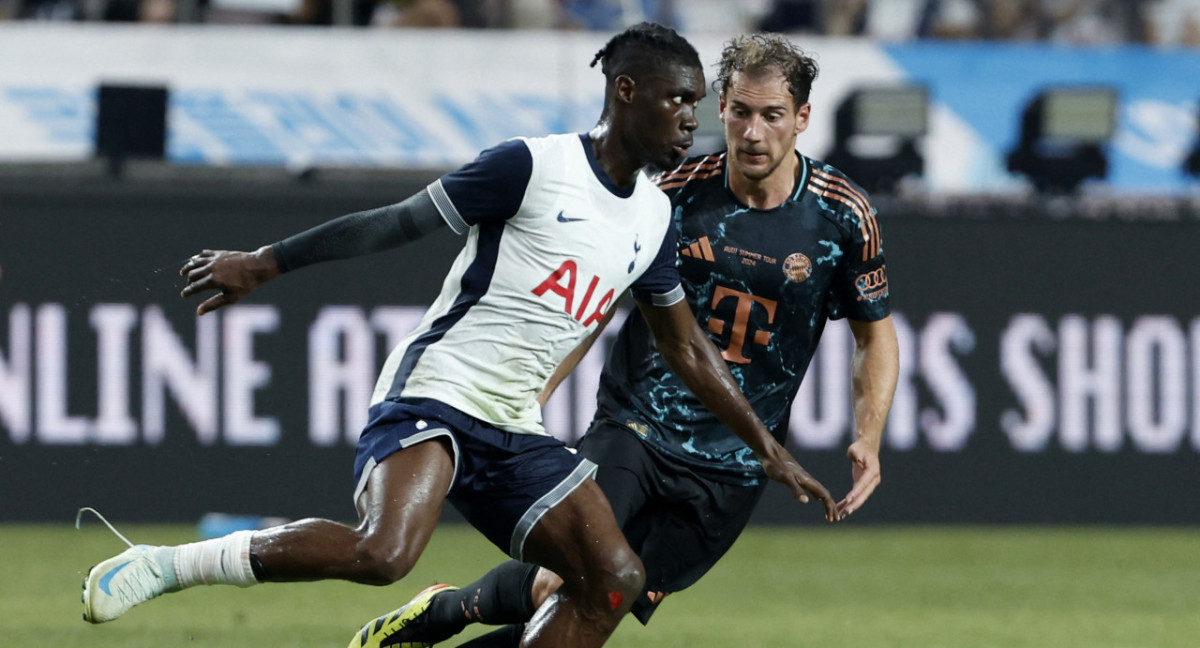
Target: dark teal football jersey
{"points": [[762, 283]]}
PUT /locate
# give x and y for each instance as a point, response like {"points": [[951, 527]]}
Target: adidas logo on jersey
{"points": [[700, 250]]}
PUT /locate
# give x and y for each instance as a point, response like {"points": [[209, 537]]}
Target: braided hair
{"points": [[758, 54], [642, 48]]}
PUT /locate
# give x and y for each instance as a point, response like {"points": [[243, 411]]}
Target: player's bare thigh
{"points": [[403, 500], [580, 537]]}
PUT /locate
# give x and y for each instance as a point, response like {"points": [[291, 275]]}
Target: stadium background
{"points": [[1050, 345]]}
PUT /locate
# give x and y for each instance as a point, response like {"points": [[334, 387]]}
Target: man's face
{"points": [[665, 114], [761, 123]]}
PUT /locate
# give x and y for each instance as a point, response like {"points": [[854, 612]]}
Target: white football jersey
{"points": [[552, 243]]}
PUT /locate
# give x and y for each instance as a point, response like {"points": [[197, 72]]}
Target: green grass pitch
{"points": [[847, 586]]}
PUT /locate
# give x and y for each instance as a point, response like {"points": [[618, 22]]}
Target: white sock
{"points": [[220, 561]]}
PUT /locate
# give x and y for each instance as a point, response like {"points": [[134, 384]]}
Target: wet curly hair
{"points": [[759, 54]]}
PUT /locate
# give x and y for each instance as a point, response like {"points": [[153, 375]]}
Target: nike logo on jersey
{"points": [[567, 219]]}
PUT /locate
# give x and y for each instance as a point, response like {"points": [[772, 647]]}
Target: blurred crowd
{"points": [[1078, 22], [1163, 23]]}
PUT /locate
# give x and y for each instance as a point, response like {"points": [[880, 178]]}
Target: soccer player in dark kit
{"points": [[772, 245], [556, 228]]}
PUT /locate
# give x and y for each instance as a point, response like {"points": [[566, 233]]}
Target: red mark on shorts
{"points": [[615, 599]]}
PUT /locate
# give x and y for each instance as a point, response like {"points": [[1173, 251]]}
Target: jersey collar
{"points": [[600, 173], [801, 179]]}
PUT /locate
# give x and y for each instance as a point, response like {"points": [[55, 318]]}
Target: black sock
{"points": [[502, 596], [507, 637]]}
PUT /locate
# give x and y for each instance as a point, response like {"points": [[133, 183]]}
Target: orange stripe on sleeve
{"points": [[868, 224], [862, 222], [700, 176], [846, 188], [703, 168]]}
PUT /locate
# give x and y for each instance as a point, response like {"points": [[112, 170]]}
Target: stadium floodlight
{"points": [[131, 122], [876, 129], [1064, 132]]}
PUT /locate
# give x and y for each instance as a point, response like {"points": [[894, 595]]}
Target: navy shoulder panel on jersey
{"points": [[488, 189], [659, 285]]}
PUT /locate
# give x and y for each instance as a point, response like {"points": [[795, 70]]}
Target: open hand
{"points": [[788, 472], [864, 463], [233, 274]]}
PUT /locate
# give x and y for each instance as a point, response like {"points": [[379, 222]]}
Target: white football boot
{"points": [[134, 576]]}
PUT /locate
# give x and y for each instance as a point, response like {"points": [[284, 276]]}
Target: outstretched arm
{"points": [[874, 370], [697, 361], [236, 274]]}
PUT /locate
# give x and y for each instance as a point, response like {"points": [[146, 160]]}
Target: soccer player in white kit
{"points": [[557, 227]]}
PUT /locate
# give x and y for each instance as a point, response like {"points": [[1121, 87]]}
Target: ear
{"points": [[624, 88], [721, 107], [802, 116]]}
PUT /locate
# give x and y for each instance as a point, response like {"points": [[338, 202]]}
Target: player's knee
{"points": [[384, 561], [621, 580], [631, 577]]}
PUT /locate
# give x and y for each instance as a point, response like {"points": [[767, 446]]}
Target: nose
{"points": [[690, 123], [753, 130]]}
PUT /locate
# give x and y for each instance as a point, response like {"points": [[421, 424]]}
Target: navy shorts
{"points": [[503, 482], [679, 521]]}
